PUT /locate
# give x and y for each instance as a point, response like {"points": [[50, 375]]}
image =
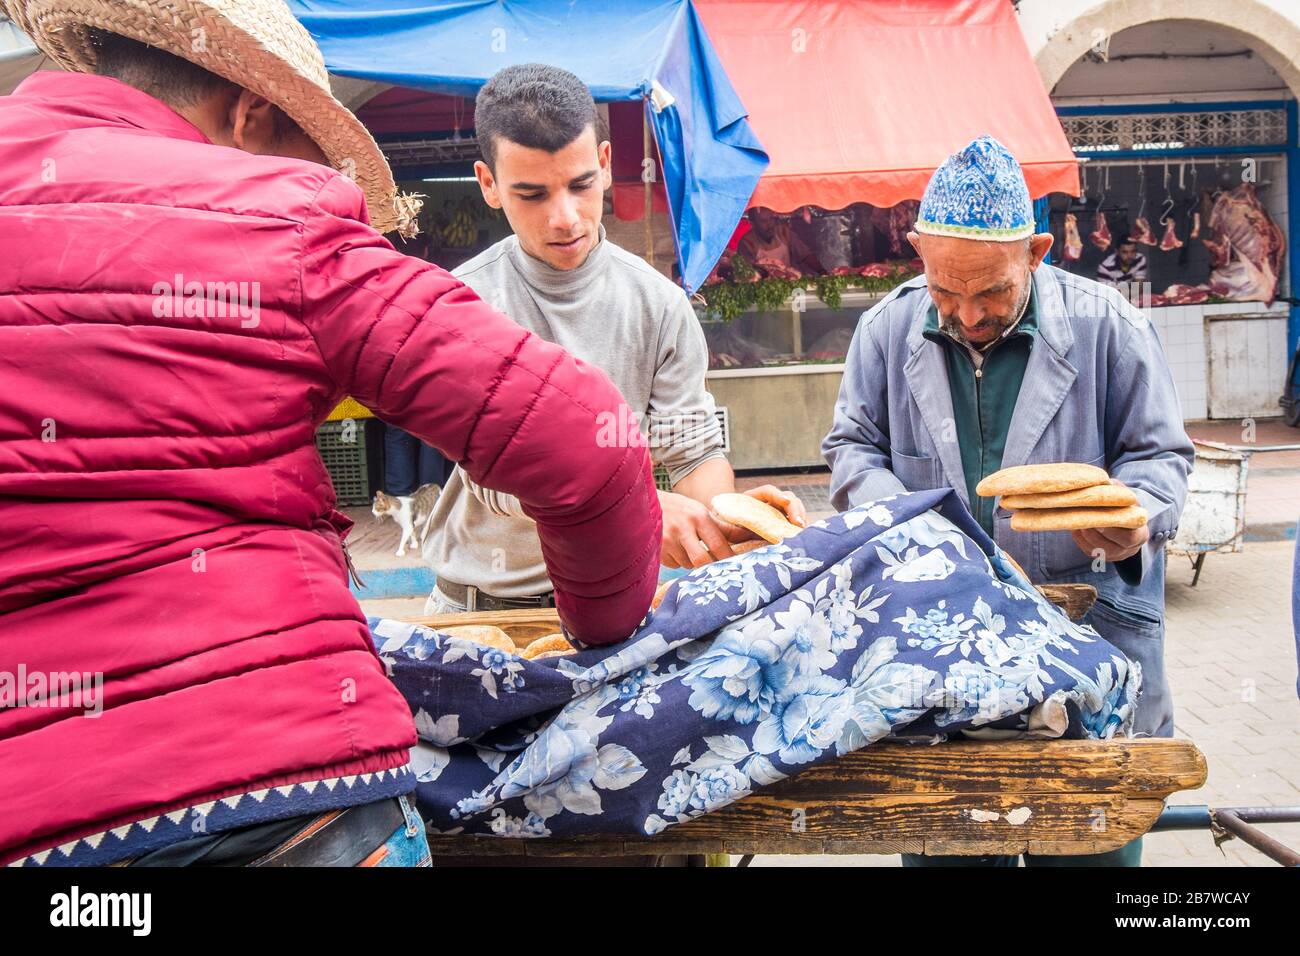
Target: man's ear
{"points": [[251, 122], [915, 239], [487, 184], [605, 152], [1038, 246]]}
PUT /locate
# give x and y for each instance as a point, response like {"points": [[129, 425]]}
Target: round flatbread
{"points": [[551, 644], [1037, 479], [1077, 519], [482, 634], [659, 595], [1097, 496], [545, 654], [758, 516], [747, 546]]}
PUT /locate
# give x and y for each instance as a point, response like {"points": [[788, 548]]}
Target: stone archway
{"points": [[1275, 37]]}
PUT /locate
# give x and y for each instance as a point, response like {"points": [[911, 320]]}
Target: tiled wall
{"points": [[1181, 329]]}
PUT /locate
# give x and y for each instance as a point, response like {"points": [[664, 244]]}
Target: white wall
{"points": [[1060, 32], [1042, 19], [1182, 333]]}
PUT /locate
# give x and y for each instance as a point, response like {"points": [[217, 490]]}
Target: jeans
{"points": [[439, 603], [1130, 854], [410, 463], [408, 845]]}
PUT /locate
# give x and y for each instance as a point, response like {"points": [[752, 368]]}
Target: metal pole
{"points": [[1261, 841], [647, 176], [1200, 816], [1183, 818], [1266, 814]]}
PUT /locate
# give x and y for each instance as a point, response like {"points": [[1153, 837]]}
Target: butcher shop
{"points": [[1197, 240], [1186, 135], [824, 237]]}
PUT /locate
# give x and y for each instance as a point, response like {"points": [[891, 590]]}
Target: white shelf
{"points": [[810, 369]]}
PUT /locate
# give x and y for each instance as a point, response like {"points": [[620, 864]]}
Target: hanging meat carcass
{"points": [[1142, 232], [1100, 237], [1073, 244], [1170, 241], [1196, 227], [1246, 247], [1220, 250], [902, 218]]}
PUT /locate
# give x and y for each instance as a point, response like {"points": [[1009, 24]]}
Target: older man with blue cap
{"points": [[992, 359]]}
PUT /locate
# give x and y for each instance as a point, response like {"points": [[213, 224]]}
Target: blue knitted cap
{"points": [[978, 193]]}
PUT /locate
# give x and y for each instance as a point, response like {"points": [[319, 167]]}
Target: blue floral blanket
{"points": [[899, 619]]}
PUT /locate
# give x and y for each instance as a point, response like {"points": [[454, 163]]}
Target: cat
{"points": [[411, 512]]}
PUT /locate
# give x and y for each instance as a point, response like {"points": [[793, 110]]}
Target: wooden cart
{"points": [[963, 797]]}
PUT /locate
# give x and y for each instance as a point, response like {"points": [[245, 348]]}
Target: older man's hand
{"points": [[1115, 543]]}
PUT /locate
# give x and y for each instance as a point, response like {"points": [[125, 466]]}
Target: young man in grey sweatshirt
{"points": [[546, 164]]}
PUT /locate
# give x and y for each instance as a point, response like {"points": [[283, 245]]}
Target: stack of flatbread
{"points": [[1062, 497], [489, 635]]}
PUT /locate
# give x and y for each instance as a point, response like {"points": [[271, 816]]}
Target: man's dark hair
{"points": [[164, 76], [534, 105], [1126, 241], [172, 79]]}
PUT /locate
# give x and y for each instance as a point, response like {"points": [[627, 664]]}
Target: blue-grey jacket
{"points": [[1097, 389]]}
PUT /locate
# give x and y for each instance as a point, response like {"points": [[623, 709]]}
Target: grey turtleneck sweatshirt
{"points": [[617, 313]]}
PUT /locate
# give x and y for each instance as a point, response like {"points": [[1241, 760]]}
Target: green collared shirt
{"points": [[984, 398]]}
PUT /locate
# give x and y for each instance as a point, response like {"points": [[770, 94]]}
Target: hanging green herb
{"points": [[726, 300]]}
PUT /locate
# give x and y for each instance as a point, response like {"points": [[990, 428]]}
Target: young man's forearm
{"points": [[709, 478]]}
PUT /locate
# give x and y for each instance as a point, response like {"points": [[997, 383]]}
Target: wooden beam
{"points": [[964, 797]]}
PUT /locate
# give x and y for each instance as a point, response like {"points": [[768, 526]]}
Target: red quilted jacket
{"points": [[166, 520]]}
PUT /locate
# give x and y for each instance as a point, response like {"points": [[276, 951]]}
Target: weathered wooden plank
{"points": [[1006, 823], [1059, 796], [623, 847], [1158, 765], [838, 847], [1017, 816], [461, 845], [1076, 600], [1151, 769]]}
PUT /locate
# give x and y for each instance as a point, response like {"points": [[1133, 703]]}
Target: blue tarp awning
{"points": [[625, 51]]}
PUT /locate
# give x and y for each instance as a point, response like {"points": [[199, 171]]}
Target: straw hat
{"points": [[256, 44]]}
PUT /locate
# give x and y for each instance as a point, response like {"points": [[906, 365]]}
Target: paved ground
{"points": [[1229, 648]]}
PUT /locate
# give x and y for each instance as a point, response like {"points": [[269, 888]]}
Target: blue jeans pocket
{"points": [[408, 846]]}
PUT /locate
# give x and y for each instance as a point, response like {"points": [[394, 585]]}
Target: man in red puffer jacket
{"points": [[169, 528]]}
